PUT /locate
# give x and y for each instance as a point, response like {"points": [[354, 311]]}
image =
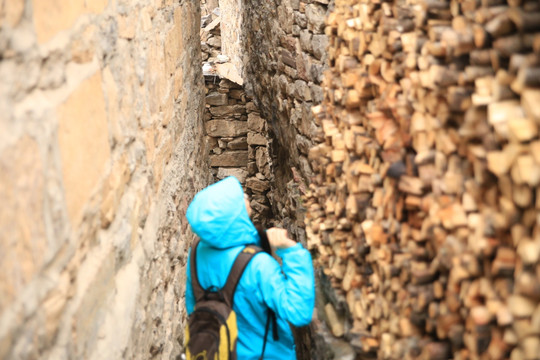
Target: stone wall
{"points": [[100, 154], [236, 133], [285, 49], [285, 57]]}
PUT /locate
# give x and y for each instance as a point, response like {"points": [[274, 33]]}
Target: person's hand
{"points": [[278, 238]]}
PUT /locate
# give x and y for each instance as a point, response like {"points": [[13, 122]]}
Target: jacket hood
{"points": [[218, 215]]}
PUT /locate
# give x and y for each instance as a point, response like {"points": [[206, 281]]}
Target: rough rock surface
{"points": [[100, 154]]}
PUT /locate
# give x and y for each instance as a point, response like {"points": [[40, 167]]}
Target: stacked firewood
{"points": [[425, 210]]}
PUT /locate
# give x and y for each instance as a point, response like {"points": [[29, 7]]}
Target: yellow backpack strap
{"points": [[198, 291], [236, 272]]}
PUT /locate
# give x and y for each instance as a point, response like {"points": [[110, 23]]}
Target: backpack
{"points": [[211, 331]]}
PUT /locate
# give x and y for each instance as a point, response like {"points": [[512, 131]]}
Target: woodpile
{"points": [[424, 213]]}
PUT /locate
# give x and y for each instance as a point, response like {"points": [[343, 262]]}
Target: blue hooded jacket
{"points": [[218, 215]]}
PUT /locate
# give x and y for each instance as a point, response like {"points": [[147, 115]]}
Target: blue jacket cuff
{"points": [[281, 252]]}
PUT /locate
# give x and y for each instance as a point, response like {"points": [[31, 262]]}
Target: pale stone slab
{"points": [[232, 42], [174, 44], [53, 16], [12, 12], [224, 128], [227, 110], [229, 71], [217, 99], [240, 174], [255, 122], [256, 139], [83, 142], [238, 144], [22, 240], [229, 159], [257, 185]]}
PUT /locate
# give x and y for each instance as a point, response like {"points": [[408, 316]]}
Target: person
{"points": [[220, 216]]}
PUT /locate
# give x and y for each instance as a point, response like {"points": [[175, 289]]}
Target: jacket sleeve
{"points": [[289, 290], [190, 298]]}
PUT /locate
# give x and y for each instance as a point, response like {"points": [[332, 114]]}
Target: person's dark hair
{"points": [[265, 244]]}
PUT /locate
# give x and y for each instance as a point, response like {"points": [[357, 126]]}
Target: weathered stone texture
{"points": [[53, 16], [83, 141], [11, 12], [231, 31], [101, 121], [226, 128], [23, 244], [285, 56], [229, 159]]}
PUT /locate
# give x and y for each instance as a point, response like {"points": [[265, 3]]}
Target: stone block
{"points": [[240, 174], [229, 159], [163, 155], [251, 107], [223, 128], [155, 75], [83, 45], [53, 16], [238, 144], [306, 40], [261, 159], [23, 244], [288, 59], [320, 46], [214, 41], [302, 91], [55, 303], [127, 25], [96, 279], [227, 110], [260, 208], [146, 18], [174, 45], [237, 94], [11, 13], [113, 189], [217, 99], [96, 6], [230, 72], [285, 17], [83, 142], [300, 19], [178, 81], [257, 185], [252, 168], [303, 144], [256, 139], [316, 15], [255, 122], [317, 93]]}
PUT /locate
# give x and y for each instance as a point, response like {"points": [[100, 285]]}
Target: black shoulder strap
{"points": [[236, 272], [198, 291]]}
